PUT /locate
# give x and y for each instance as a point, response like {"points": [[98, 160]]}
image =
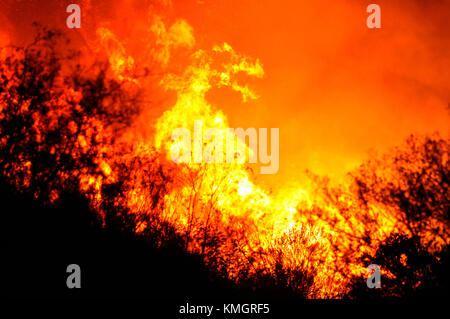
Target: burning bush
{"points": [[65, 125], [57, 118]]}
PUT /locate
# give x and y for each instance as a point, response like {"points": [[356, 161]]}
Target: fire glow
{"points": [[315, 226], [235, 150]]}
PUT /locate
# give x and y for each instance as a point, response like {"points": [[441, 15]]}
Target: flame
{"points": [[178, 35], [298, 228], [121, 63]]}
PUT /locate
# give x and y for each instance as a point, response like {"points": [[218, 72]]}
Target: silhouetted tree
{"points": [[408, 269], [412, 184], [55, 115]]}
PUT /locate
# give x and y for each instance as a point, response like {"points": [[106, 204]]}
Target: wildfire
{"points": [[318, 227]]}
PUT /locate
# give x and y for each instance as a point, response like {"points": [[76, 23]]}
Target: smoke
{"points": [[335, 88]]}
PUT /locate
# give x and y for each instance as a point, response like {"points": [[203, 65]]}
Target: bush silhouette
{"points": [[60, 120], [409, 270]]}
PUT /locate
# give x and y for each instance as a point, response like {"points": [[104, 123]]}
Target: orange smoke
{"points": [[332, 86]]}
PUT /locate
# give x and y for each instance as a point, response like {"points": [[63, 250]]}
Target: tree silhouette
{"points": [[54, 118], [412, 184], [59, 120], [408, 269]]}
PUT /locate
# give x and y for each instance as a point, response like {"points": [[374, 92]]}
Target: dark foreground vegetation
{"points": [[39, 242], [49, 223]]}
